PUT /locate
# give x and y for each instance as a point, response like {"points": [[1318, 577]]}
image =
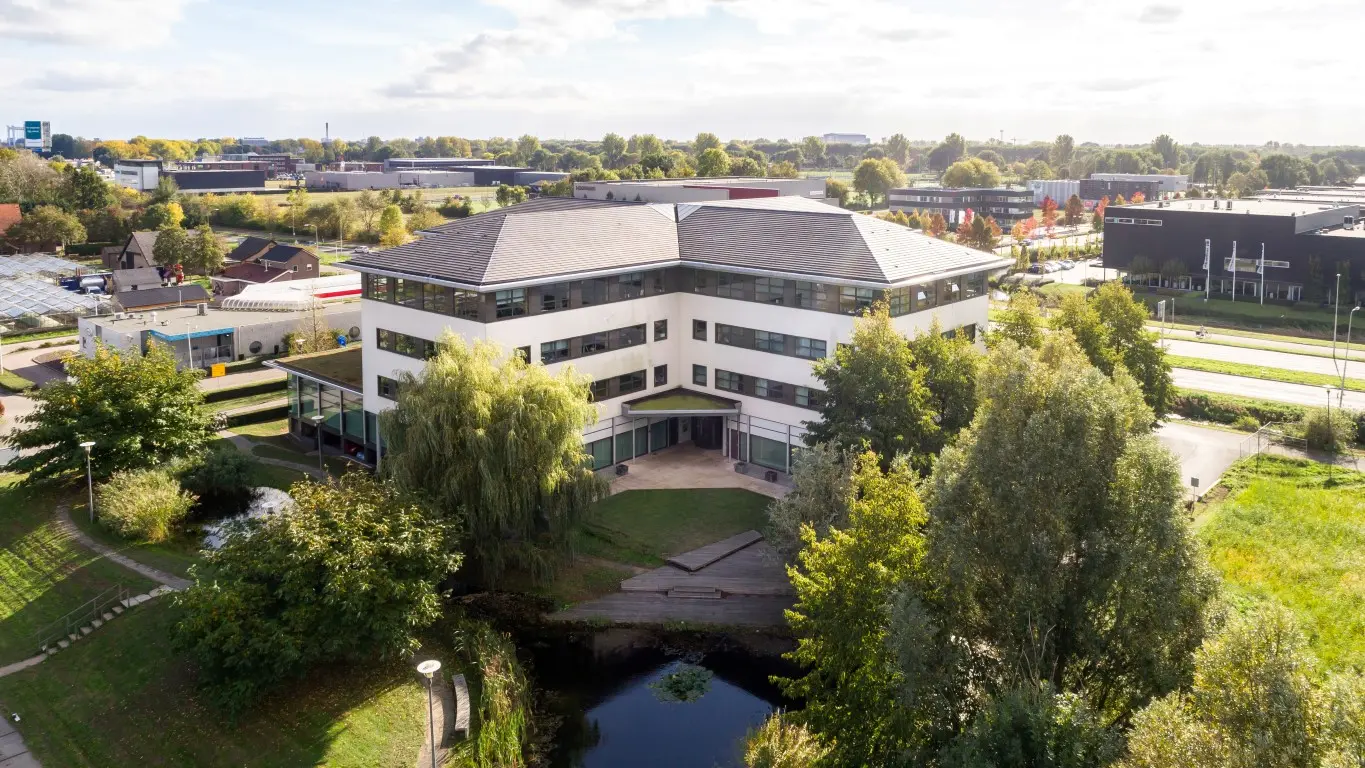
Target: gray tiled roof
{"points": [[249, 248], [144, 241], [551, 237], [188, 293], [282, 253]]}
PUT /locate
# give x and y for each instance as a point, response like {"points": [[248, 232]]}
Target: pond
{"points": [[633, 697]]}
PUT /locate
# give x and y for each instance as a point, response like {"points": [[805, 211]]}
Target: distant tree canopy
{"points": [[972, 172]]}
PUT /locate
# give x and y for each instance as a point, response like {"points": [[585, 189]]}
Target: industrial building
{"points": [[1167, 184], [1060, 190], [209, 335], [1094, 190], [1005, 204], [698, 322], [860, 139], [433, 163], [1303, 241], [451, 176], [139, 175], [218, 181], [695, 190]]}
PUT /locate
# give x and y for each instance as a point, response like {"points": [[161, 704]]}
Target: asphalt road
{"points": [[1286, 360], [1298, 394], [1357, 348], [1204, 453]]}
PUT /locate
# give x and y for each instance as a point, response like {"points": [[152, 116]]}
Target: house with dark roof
{"points": [[135, 254], [697, 322], [148, 299], [257, 260], [139, 279]]}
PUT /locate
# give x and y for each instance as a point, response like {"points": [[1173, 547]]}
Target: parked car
{"points": [[1053, 266], [1068, 264], [362, 249], [1036, 269]]}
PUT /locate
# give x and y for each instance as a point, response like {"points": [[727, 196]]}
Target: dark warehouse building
{"points": [[1306, 245]]}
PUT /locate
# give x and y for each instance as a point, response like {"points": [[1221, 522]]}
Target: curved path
{"points": [[67, 526]]}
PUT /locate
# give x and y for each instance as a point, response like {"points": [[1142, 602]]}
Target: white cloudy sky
{"points": [[1244, 71]]}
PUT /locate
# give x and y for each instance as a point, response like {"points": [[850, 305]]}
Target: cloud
{"points": [[1159, 14], [118, 23], [1119, 84], [75, 77]]}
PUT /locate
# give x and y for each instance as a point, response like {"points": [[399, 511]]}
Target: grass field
{"points": [[174, 555], [645, 527], [43, 573], [1282, 533], [1301, 318], [264, 429], [1263, 372], [124, 697]]}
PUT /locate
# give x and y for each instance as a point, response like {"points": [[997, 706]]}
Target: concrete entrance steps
{"points": [[701, 557]]}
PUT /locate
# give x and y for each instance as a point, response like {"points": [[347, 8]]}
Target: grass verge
{"points": [[1263, 372], [1326, 353], [1246, 315], [14, 382], [645, 527], [44, 574], [124, 697], [1285, 532], [264, 429], [242, 402]]}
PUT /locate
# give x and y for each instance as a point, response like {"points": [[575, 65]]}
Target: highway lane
{"points": [[1357, 347], [1261, 389], [1286, 360]]}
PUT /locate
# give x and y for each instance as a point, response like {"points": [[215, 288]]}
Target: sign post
{"points": [[1208, 273]]}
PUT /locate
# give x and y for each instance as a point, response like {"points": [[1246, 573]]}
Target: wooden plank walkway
{"points": [[655, 608], [754, 570], [701, 557]]}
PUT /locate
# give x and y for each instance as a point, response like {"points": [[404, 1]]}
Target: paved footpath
{"points": [[64, 522], [13, 753]]}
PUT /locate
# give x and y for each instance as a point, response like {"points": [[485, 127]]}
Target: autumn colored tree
{"points": [[1049, 213], [1138, 197], [964, 227], [1118, 200], [937, 225], [1075, 209]]}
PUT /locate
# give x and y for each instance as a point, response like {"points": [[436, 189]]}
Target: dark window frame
{"points": [[661, 375], [699, 330]]}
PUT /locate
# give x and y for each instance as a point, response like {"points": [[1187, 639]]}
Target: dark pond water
{"points": [[633, 698]]}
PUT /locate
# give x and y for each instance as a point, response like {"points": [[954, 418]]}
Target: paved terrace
{"points": [[686, 466]]}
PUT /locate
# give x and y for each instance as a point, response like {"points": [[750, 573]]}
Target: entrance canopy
{"points": [[680, 402]]}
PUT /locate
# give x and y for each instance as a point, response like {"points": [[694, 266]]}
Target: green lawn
{"points": [[43, 573], [1284, 534], [1289, 335], [124, 697], [175, 555], [645, 527], [263, 429], [242, 402], [1263, 372], [1303, 317]]}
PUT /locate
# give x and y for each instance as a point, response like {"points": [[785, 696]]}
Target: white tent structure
{"points": [[294, 295]]}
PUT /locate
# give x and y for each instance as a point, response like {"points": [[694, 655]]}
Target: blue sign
{"points": [[33, 129]]}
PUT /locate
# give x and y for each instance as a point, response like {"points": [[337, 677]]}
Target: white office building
{"points": [[139, 175], [696, 322], [1059, 190], [1167, 184], [701, 189]]}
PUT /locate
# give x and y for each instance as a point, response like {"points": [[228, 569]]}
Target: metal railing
{"points": [[1265, 439], [73, 621]]}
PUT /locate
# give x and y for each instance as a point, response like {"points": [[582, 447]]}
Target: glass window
{"points": [[900, 302], [331, 407], [625, 448], [388, 388], [773, 390], [467, 305], [308, 398], [599, 389], [630, 382], [926, 297], [629, 337], [385, 339], [853, 301], [769, 290], [725, 334], [952, 290], [803, 398], [699, 330], [381, 288], [660, 375], [732, 286], [699, 375], [632, 286], [973, 285], [703, 282], [593, 343], [969, 330], [656, 281], [600, 451], [353, 416], [811, 349], [524, 353], [406, 345], [554, 297], [592, 292], [511, 303], [728, 381], [660, 330], [766, 341], [810, 295], [768, 453], [641, 441], [408, 293], [436, 298], [554, 351]]}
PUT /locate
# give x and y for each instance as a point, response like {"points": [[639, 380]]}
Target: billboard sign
{"points": [[38, 135]]}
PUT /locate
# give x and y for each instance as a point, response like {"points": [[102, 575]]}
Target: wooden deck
{"points": [[701, 557], [736, 584]]}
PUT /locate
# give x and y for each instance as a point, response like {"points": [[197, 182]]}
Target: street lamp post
{"points": [[429, 668], [1346, 360], [317, 420], [89, 477]]}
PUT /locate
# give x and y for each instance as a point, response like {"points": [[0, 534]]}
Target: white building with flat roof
{"points": [[699, 189], [697, 322], [1169, 184]]}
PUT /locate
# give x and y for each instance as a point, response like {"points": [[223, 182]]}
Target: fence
{"points": [[1268, 438], [72, 622]]}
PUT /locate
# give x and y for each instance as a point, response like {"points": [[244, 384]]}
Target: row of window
{"points": [[519, 302], [1127, 220], [409, 346], [767, 341], [596, 343], [754, 386], [625, 384]]}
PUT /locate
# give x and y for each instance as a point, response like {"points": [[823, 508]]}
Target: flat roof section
{"points": [[1239, 207], [338, 367], [680, 402]]}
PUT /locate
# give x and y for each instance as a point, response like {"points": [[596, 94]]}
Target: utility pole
{"points": [[1260, 269], [1208, 273], [1233, 269], [1336, 305]]}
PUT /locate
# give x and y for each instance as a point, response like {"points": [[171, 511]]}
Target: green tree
{"points": [[45, 225], [1037, 169], [972, 172], [1063, 147], [205, 251], [1138, 349], [1284, 171], [992, 157], [162, 215], [875, 395], [837, 190], [813, 150], [713, 162], [507, 194], [745, 166], [173, 246], [392, 231], [898, 149], [143, 504], [950, 367], [981, 233], [613, 148], [1244, 184], [1022, 322], [705, 141], [297, 203], [782, 743], [351, 573], [496, 447], [1074, 211], [949, 151], [845, 584], [424, 218], [1058, 532], [645, 144], [1080, 316], [138, 409], [369, 205], [167, 191], [1170, 152], [819, 499], [874, 179], [1035, 726], [85, 190], [783, 170]]}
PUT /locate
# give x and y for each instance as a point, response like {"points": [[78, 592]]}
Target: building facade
{"points": [[1060, 190], [1005, 204], [696, 190], [860, 139], [1093, 190], [1305, 244], [139, 175], [1167, 184], [695, 322]]}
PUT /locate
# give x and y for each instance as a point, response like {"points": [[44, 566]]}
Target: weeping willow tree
{"points": [[494, 445]]}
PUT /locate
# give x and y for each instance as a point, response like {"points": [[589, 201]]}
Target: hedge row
{"points": [[1228, 409], [257, 417], [246, 390]]}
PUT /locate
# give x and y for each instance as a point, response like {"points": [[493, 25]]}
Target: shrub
{"points": [[1246, 423], [1333, 434], [455, 208], [503, 718], [222, 479], [781, 743], [143, 504], [1226, 409]]}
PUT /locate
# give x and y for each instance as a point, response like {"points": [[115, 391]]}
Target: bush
{"points": [[222, 479], [455, 208], [142, 504], [503, 720], [1246, 423], [1227, 409], [1333, 434], [781, 743]]}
